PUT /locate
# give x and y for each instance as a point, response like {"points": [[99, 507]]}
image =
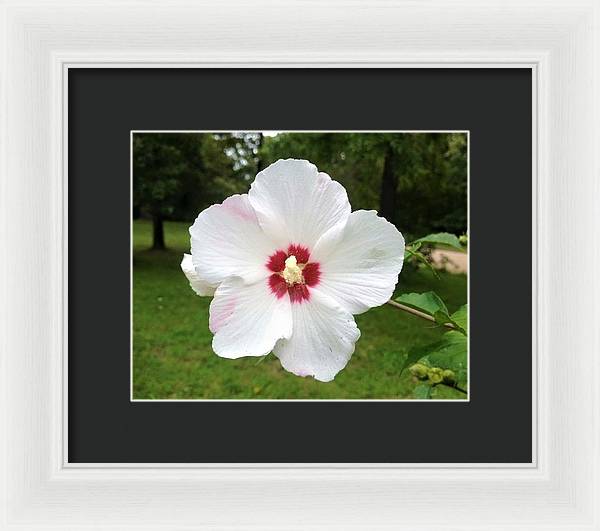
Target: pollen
{"points": [[292, 272]]}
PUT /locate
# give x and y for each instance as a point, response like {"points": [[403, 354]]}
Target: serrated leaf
{"points": [[441, 238], [428, 302], [422, 391]]}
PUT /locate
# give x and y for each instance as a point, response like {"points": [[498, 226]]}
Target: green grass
{"points": [[172, 355]]}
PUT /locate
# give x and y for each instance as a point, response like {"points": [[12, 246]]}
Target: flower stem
{"points": [[418, 313]]}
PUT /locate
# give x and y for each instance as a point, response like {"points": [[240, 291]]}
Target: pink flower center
{"points": [[293, 273]]}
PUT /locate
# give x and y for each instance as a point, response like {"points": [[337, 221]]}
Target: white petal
{"points": [[227, 240], [322, 341], [361, 270], [247, 320], [199, 286], [297, 204]]}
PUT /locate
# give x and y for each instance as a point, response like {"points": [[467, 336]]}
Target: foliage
{"points": [[442, 238], [179, 174], [418, 252], [442, 362], [430, 304], [445, 361]]}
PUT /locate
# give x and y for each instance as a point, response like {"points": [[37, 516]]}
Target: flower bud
{"points": [[419, 370], [449, 376], [436, 375]]}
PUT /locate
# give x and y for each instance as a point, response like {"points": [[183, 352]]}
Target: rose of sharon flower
{"points": [[289, 264]]}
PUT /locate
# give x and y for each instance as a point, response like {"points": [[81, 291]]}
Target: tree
{"points": [[177, 175], [389, 184], [165, 166]]}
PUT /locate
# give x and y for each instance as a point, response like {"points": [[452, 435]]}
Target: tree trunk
{"points": [[389, 187], [158, 234]]}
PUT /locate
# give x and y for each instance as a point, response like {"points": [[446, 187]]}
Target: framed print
{"points": [[299, 268], [166, 359]]}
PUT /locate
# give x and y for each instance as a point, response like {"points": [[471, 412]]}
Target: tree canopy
{"points": [[418, 181]]}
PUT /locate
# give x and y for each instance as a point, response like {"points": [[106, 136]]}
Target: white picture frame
{"points": [[558, 40]]}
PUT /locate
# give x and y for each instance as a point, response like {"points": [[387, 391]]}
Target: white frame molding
{"points": [[558, 38]]}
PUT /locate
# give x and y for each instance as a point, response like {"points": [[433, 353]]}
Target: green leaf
{"points": [[461, 317], [431, 304], [450, 353], [440, 238], [422, 391], [414, 355], [428, 302], [457, 319], [442, 318]]}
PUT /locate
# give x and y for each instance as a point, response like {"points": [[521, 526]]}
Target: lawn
{"points": [[173, 359]]}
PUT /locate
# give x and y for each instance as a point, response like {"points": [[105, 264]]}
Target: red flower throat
{"points": [[293, 273]]}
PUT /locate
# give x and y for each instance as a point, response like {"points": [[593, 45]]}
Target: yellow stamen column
{"points": [[292, 272]]}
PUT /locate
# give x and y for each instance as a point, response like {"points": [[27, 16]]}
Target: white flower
{"points": [[288, 265]]}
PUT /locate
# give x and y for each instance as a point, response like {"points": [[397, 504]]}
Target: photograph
{"points": [[299, 265]]}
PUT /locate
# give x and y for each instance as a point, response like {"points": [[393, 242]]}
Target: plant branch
{"points": [[454, 387], [418, 313]]}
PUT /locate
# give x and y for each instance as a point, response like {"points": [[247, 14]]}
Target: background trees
{"points": [[417, 181]]}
